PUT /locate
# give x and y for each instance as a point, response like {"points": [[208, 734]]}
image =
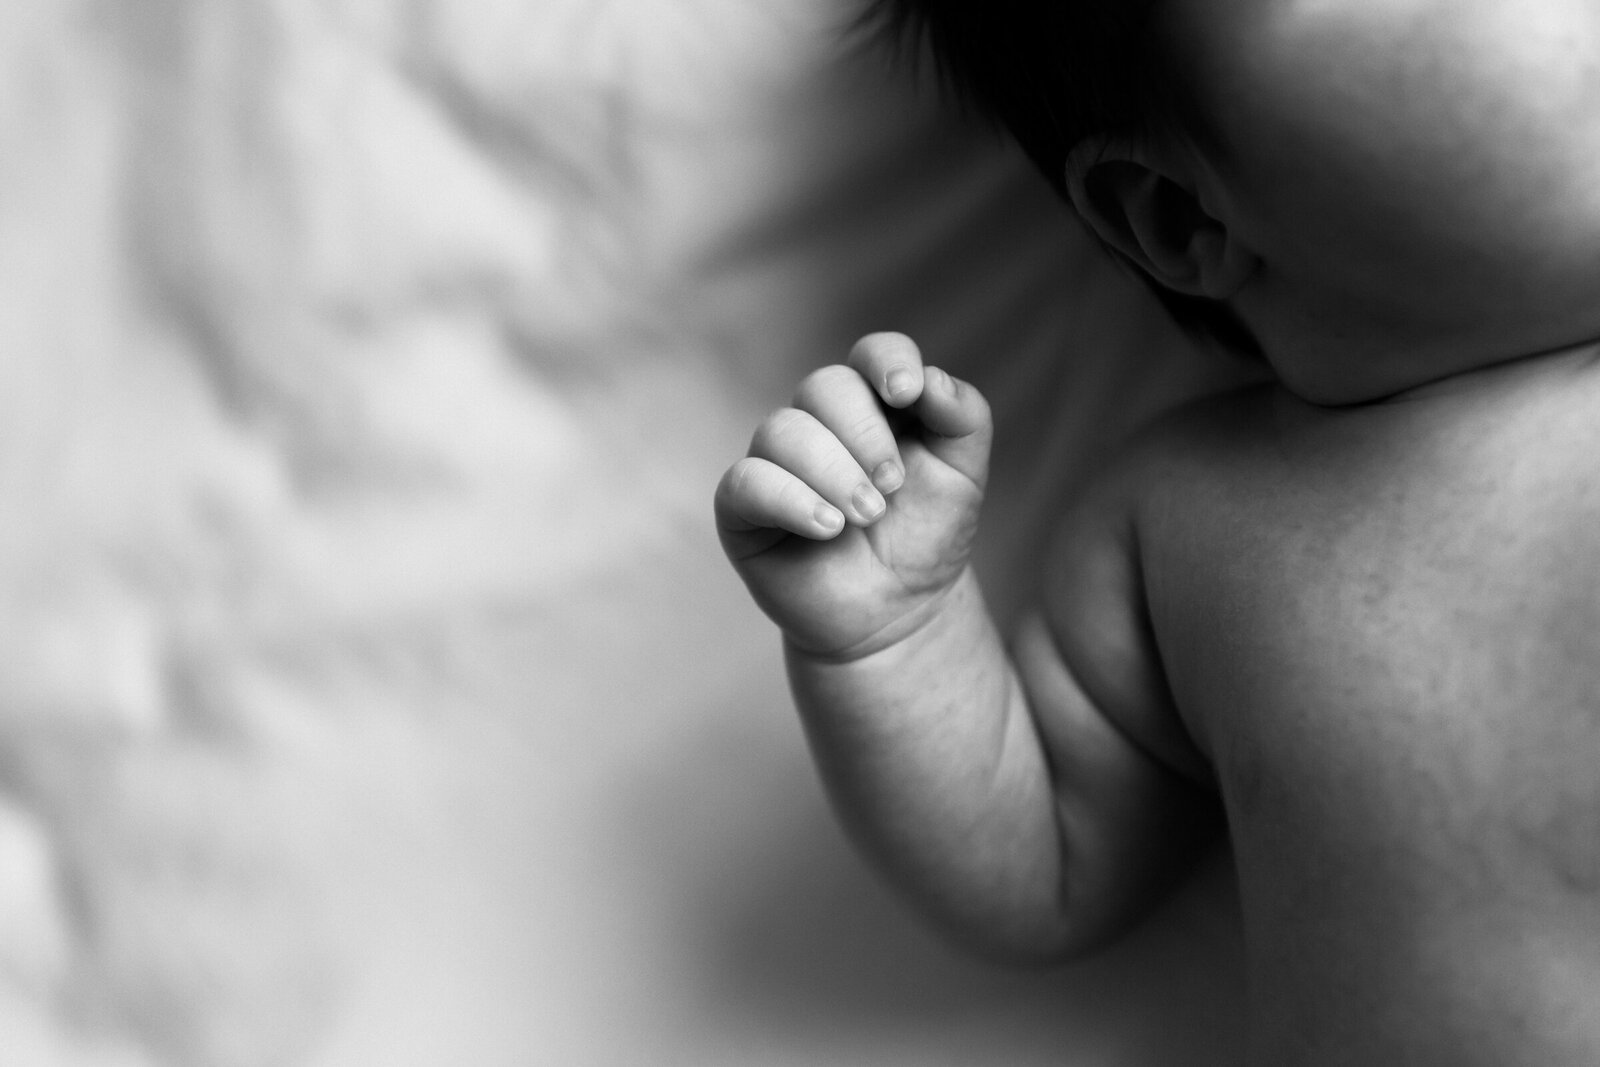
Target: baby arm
{"points": [[922, 727]]}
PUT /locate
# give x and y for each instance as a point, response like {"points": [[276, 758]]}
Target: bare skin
{"points": [[1368, 636], [1353, 616], [1382, 625]]}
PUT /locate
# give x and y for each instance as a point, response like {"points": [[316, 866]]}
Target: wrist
{"points": [[936, 620]]}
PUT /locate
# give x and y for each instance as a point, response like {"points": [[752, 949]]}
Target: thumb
{"points": [[959, 429]]}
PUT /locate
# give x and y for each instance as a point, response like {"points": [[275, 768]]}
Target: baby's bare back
{"points": [[1382, 625]]}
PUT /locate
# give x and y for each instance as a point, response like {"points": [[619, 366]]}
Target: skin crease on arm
{"points": [[994, 788], [990, 788]]}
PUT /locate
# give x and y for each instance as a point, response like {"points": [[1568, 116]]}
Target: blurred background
{"points": [[372, 691]]}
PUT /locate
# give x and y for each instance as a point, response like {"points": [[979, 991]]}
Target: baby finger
{"points": [[842, 401], [757, 496], [796, 441], [958, 424], [892, 363]]}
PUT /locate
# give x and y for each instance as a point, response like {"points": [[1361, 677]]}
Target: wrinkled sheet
{"points": [[371, 688]]}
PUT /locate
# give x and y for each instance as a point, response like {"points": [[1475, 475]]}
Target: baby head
{"points": [[1376, 193]]}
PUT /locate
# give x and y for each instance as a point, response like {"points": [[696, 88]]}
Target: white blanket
{"points": [[371, 689]]}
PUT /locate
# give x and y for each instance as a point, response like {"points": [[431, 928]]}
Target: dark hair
{"points": [[1052, 73]]}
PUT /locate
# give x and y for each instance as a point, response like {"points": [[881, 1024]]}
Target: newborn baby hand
{"points": [[854, 512]]}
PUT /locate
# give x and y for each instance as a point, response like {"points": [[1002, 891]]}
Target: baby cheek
{"points": [[1477, 115], [1459, 139]]}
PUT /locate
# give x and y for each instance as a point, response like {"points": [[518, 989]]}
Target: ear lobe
{"points": [[1154, 221]]}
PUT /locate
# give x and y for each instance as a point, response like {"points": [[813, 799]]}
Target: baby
{"points": [[1353, 616]]}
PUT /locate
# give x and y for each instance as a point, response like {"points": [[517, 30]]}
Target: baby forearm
{"points": [[851, 520], [929, 754]]}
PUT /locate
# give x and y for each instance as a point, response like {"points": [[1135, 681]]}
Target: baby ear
{"points": [[1155, 220]]}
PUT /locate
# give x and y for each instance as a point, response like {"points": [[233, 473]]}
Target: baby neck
{"points": [[1336, 352]]}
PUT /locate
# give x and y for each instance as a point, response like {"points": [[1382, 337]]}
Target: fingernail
{"points": [[828, 517], [888, 477], [868, 503], [900, 383]]}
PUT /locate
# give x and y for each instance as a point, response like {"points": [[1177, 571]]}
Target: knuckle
{"points": [[735, 483], [822, 384], [776, 428], [793, 496], [877, 350], [840, 471], [870, 433], [741, 475]]}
